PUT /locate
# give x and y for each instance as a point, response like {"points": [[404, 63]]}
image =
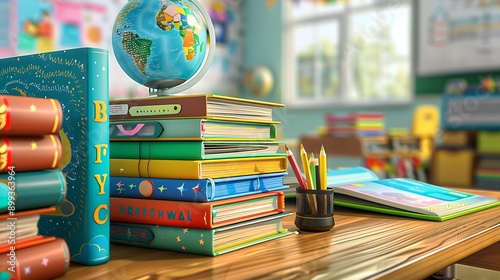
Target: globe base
{"points": [[164, 83]]}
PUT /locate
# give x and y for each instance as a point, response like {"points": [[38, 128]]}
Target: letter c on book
{"points": [[96, 214]]}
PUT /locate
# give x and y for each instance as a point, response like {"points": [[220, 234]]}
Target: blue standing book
{"points": [[204, 190], [78, 79]]}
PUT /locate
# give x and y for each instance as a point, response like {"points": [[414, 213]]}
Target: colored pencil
{"points": [[295, 168], [323, 169], [305, 166]]}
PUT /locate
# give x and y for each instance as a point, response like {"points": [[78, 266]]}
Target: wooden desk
{"points": [[361, 245]]}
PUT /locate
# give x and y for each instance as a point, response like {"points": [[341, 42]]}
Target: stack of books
{"points": [[30, 186], [487, 173], [200, 174], [355, 124]]}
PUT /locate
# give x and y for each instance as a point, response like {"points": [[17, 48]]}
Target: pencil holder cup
{"points": [[314, 210]]}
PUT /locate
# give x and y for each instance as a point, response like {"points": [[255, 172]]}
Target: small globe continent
{"points": [[159, 43]]}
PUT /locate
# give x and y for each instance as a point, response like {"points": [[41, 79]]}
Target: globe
{"points": [[166, 45], [259, 80]]}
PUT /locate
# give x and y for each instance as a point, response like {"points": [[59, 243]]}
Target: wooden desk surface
{"points": [[361, 245]]}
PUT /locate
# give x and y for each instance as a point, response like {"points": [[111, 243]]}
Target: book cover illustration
{"points": [[195, 190], [361, 188], [413, 195], [78, 79]]}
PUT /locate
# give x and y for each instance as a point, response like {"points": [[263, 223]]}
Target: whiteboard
{"points": [[458, 36]]}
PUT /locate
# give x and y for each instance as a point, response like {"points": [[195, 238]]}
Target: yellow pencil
{"points": [[323, 169], [305, 166]]}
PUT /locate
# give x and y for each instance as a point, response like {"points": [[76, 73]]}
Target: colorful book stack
{"points": [[30, 186], [77, 78], [487, 170], [199, 174], [487, 173], [355, 124]]}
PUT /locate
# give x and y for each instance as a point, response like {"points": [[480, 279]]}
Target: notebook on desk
{"points": [[360, 188]]}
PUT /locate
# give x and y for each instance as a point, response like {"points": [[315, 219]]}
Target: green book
{"points": [[31, 190], [211, 242], [193, 150], [190, 129]]}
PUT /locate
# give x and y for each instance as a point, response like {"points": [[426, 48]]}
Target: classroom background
{"points": [[319, 58]]}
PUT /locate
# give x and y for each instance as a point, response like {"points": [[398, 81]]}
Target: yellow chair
{"points": [[425, 126]]}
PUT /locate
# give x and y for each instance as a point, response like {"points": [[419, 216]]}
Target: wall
{"points": [[263, 45]]}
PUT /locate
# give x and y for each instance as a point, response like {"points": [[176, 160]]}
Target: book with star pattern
{"points": [[48, 260], [203, 190], [196, 214], [210, 242]]}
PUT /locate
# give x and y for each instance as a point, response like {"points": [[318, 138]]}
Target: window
{"points": [[348, 52]]}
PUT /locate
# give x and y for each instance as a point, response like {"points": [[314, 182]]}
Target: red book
{"points": [[18, 227], [206, 215], [43, 261], [22, 115], [29, 153]]}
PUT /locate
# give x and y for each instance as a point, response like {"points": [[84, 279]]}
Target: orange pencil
{"points": [[296, 168]]}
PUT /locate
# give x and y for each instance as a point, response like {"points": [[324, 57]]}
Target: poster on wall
{"points": [[34, 26], [458, 36], [31, 26]]}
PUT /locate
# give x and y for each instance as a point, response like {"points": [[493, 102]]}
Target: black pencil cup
{"points": [[314, 210]]}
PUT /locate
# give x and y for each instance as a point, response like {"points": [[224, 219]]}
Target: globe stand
{"points": [[156, 92]]}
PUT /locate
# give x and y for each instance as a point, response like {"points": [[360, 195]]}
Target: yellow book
{"points": [[197, 169]]}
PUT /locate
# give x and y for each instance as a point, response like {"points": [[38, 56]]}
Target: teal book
{"points": [[193, 150], [78, 79], [190, 129], [360, 188], [21, 191], [210, 242]]}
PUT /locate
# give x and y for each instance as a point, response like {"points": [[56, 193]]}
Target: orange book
{"points": [[43, 261], [205, 215], [22, 115], [29, 153]]}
